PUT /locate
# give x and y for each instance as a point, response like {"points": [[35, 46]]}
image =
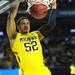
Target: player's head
{"points": [[23, 25]]}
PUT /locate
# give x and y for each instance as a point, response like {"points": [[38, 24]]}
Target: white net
{"points": [[39, 1], [45, 2]]}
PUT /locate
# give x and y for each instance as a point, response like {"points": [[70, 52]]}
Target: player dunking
{"points": [[26, 45]]}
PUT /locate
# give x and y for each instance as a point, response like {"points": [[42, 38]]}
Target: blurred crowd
{"points": [[7, 60]]}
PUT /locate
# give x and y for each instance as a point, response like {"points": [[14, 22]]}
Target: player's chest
{"points": [[29, 44]]}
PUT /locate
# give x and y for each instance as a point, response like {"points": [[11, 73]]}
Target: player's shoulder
{"points": [[18, 34], [34, 33]]}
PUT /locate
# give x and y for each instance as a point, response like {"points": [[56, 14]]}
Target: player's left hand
{"points": [[23, 0], [53, 4]]}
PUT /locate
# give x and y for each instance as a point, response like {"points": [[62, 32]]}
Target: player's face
{"points": [[24, 26]]}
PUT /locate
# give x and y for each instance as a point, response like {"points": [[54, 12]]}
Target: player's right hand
{"points": [[24, 0]]}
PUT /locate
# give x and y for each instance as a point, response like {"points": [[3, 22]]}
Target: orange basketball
{"points": [[38, 11]]}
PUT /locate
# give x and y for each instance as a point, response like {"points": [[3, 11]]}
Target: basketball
{"points": [[38, 11]]}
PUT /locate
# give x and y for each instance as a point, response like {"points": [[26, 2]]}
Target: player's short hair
{"points": [[19, 20]]}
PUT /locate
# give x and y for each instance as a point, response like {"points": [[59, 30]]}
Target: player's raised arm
{"points": [[45, 29], [11, 27]]}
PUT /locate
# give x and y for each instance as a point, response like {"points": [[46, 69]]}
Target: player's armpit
{"points": [[45, 29], [40, 35]]}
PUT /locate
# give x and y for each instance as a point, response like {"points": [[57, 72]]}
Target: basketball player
{"points": [[26, 45]]}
